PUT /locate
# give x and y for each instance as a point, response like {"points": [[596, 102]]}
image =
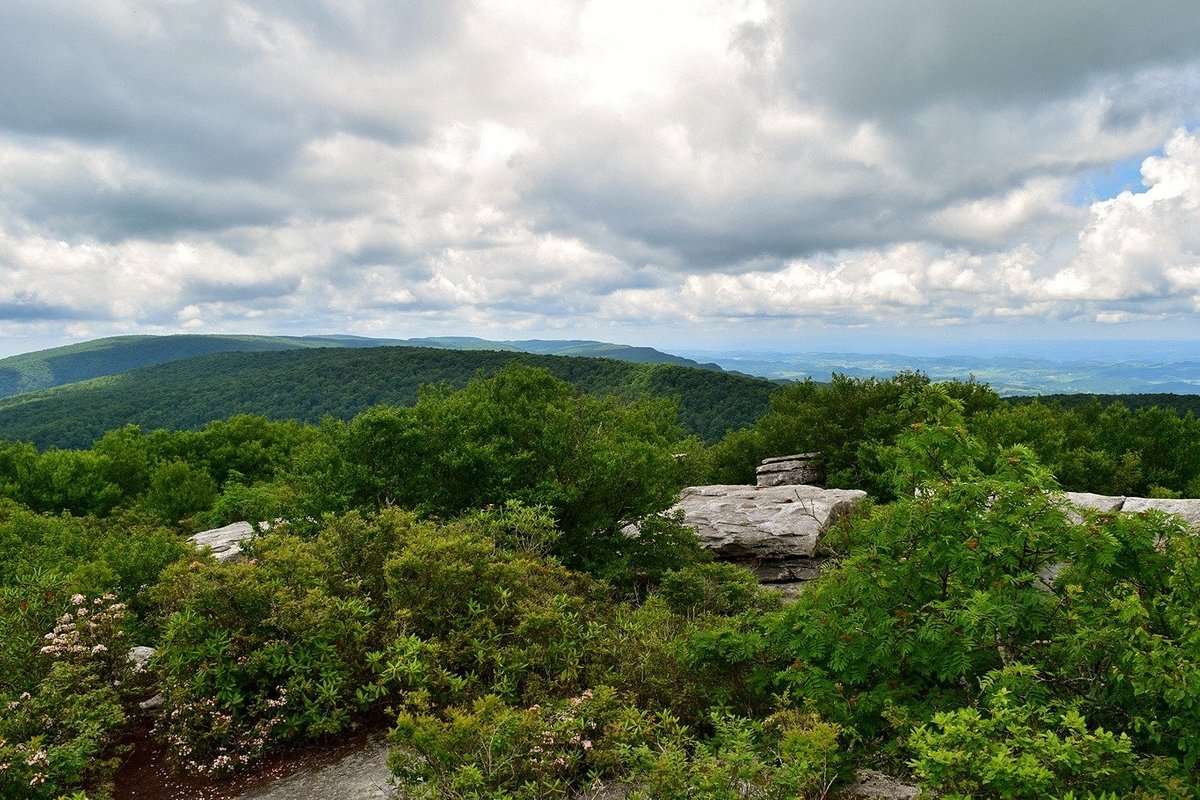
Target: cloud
{"points": [[483, 167]]}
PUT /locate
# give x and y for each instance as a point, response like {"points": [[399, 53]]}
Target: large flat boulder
{"points": [[1095, 502], [1078, 503], [225, 543], [745, 523], [1189, 510]]}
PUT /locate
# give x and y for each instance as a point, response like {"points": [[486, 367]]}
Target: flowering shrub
{"points": [[59, 736], [257, 654], [91, 632], [493, 749]]}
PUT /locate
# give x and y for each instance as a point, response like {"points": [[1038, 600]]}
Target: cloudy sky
{"points": [[703, 173]]}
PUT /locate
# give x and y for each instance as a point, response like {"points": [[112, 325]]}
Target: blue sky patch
{"points": [[1106, 183]]}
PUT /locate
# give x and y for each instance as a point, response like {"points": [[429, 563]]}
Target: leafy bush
{"points": [[61, 734], [1016, 745], [561, 749], [256, 654], [520, 625], [494, 750], [46, 559], [521, 436], [788, 755], [715, 588], [178, 489]]}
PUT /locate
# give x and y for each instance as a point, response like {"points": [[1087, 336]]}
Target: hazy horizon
{"points": [[1100, 351]]}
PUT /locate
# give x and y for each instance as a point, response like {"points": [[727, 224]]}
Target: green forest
{"points": [[454, 560], [310, 384]]}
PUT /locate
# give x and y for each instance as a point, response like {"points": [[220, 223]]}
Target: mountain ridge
{"points": [[67, 364], [309, 384]]}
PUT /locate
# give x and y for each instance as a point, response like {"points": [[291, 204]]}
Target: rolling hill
{"points": [[340, 381], [45, 369]]}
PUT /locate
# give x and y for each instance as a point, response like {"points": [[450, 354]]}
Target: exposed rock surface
{"points": [[1188, 509], [748, 523], [138, 657], [786, 570], [872, 785], [360, 775], [791, 470], [226, 543]]}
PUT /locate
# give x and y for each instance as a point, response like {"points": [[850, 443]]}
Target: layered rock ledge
{"points": [[755, 523], [226, 542], [794, 470], [1187, 509]]}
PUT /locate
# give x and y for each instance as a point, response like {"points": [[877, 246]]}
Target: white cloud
{"points": [[485, 167]]}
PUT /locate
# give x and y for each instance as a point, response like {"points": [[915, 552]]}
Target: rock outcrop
{"points": [[794, 470], [1188, 509], [772, 530], [225, 543], [750, 523], [870, 784], [139, 658]]}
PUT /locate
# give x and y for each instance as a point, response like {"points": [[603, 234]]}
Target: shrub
{"points": [[715, 588], [1015, 746], [495, 750], [520, 625], [256, 654], [787, 756], [61, 735]]}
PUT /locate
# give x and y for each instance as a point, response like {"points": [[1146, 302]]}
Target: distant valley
{"points": [[1007, 375]]}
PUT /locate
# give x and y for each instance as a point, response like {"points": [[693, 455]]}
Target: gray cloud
{"points": [[878, 58], [585, 166], [26, 308]]}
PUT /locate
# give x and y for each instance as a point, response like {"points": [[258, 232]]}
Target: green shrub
{"points": [[1016, 746], [179, 489], [715, 588], [256, 654], [61, 734], [495, 750], [520, 625], [635, 562], [787, 756]]}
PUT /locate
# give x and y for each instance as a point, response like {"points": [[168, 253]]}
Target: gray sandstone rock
{"points": [[872, 785], [153, 704], [1095, 502], [1078, 502], [745, 523], [226, 543], [360, 775], [1189, 510], [786, 570], [788, 470], [138, 657]]}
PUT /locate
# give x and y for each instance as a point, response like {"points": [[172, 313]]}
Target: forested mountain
{"points": [[311, 383], [45, 369]]}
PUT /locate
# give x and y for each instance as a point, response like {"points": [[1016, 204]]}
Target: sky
{"points": [[750, 174]]}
